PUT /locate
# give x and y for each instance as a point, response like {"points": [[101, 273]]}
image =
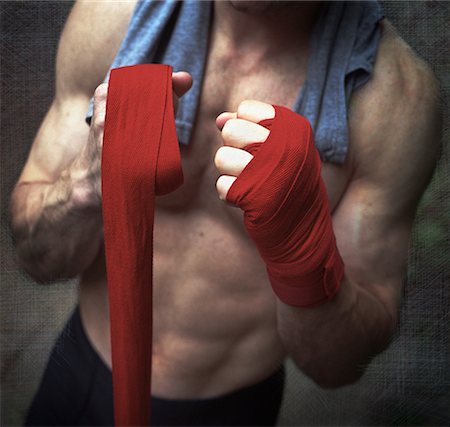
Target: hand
{"points": [[284, 200], [85, 171], [238, 130]]}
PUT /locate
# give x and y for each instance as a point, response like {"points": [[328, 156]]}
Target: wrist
{"points": [[306, 284]]}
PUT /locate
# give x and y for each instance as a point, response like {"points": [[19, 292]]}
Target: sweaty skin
{"points": [[214, 310]]}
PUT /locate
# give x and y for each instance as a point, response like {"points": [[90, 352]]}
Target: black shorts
{"points": [[76, 390]]}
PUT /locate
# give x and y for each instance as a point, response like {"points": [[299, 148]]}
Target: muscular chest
{"points": [[226, 84]]}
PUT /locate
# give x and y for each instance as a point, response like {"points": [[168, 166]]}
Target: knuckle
{"points": [[101, 91], [98, 116], [219, 158], [223, 185], [244, 107], [229, 129], [98, 121], [226, 130], [220, 187], [255, 110]]}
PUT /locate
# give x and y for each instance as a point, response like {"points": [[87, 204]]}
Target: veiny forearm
{"points": [[56, 232], [334, 342]]}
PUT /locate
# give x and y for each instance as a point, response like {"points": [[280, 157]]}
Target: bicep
{"points": [[88, 44], [394, 141], [373, 240]]}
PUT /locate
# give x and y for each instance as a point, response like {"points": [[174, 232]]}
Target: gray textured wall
{"points": [[407, 385]]}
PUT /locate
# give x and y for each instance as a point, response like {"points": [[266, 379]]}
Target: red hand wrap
{"points": [[286, 212], [140, 158]]}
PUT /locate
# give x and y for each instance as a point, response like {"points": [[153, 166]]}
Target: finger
{"points": [[222, 118], [182, 82], [255, 111], [99, 111], [240, 133], [223, 184], [100, 92], [231, 161]]}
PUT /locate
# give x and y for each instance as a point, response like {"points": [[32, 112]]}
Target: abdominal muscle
{"points": [[214, 311]]}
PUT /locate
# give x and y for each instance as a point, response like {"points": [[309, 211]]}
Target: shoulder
{"points": [[90, 39], [395, 119], [88, 44]]}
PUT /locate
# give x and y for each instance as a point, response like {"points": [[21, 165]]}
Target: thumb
{"points": [[182, 82]]}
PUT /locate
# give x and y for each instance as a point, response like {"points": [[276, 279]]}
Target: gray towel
{"points": [[344, 43]]}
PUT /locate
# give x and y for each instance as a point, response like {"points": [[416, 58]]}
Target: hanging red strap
{"points": [[140, 159]]}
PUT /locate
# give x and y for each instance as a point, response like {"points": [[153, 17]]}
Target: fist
{"points": [[87, 166], [238, 130]]}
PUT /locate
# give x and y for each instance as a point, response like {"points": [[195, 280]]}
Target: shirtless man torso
{"points": [[215, 313]]}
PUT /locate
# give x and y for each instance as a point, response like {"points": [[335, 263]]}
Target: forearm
{"points": [[333, 342], [56, 226]]}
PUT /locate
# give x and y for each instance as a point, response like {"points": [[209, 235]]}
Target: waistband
{"points": [[75, 329]]}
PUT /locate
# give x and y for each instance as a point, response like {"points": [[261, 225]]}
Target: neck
{"points": [[270, 27]]}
